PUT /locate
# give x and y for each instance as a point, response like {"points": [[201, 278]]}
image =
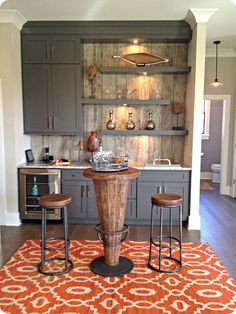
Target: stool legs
{"points": [[68, 263], [158, 242]]}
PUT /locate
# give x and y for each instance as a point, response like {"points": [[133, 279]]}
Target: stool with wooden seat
{"points": [[168, 258], [52, 201]]}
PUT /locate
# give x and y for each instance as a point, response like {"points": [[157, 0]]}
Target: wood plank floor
{"points": [[218, 220]]}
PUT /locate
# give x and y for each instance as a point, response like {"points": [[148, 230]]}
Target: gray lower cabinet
{"points": [[83, 207], [51, 99], [131, 209], [152, 182]]}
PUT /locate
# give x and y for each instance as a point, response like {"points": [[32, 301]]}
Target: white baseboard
{"points": [[11, 219], [206, 175]]}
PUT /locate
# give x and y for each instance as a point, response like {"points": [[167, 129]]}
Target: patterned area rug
{"points": [[202, 286]]}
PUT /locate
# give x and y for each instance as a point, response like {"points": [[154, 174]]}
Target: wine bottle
{"points": [[35, 189]]}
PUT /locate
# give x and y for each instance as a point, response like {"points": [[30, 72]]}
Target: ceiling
{"points": [[221, 26]]}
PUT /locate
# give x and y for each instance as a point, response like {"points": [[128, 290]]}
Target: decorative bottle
{"points": [[35, 190], [111, 125], [130, 125], [150, 124]]}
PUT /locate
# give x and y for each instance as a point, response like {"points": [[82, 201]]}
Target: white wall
{"points": [[13, 141]]}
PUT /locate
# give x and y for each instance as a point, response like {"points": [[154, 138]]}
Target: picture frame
{"points": [[29, 155]]}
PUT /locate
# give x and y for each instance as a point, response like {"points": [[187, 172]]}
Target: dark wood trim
{"points": [[161, 31]]}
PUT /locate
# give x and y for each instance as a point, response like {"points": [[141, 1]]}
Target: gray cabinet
{"points": [[51, 98], [50, 49], [151, 182], [131, 208], [83, 207]]}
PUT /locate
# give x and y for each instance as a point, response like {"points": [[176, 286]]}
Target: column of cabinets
{"points": [[152, 182], [83, 208], [51, 84]]}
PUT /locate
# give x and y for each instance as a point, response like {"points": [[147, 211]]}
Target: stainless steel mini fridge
{"points": [[34, 183]]}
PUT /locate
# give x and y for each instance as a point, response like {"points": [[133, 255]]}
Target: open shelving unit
{"points": [[105, 101], [145, 132], [147, 69]]}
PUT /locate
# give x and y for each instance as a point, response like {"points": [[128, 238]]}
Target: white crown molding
{"points": [[222, 53], [13, 17], [195, 16]]}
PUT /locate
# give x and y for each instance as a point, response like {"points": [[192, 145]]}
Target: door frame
{"points": [[224, 188]]}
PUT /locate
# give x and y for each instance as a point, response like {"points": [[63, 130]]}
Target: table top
{"points": [[128, 174]]}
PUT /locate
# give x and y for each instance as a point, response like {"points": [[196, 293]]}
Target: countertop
{"points": [[84, 165]]}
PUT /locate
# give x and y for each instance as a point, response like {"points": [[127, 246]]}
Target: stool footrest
{"points": [[69, 265], [169, 271], [55, 248]]}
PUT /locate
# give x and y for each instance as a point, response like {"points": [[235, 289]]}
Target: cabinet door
{"points": [[77, 190], [36, 49], [65, 49], [180, 188], [145, 191], [131, 209], [67, 111], [91, 200], [37, 98]]}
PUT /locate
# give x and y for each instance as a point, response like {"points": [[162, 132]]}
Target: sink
{"points": [[162, 167]]}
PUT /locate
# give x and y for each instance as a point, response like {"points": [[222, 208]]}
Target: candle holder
{"points": [[130, 125]]}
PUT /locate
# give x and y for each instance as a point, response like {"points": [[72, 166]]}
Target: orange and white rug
{"points": [[202, 286]]}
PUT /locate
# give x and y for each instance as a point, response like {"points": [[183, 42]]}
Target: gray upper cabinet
{"points": [[50, 49], [51, 98]]}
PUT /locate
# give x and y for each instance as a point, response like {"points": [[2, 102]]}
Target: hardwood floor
{"points": [[218, 220]]}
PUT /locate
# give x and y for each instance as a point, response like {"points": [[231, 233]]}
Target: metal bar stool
{"points": [[164, 201], [51, 201]]}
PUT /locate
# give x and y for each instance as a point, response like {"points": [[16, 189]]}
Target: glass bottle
{"points": [[130, 125], [35, 190], [111, 125], [150, 124]]}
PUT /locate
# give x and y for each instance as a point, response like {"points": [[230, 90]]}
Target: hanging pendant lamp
{"points": [[216, 82]]}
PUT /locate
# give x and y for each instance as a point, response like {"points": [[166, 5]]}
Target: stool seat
{"points": [[54, 200], [166, 199]]}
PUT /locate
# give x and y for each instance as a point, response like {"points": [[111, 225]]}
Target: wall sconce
{"points": [[216, 82]]}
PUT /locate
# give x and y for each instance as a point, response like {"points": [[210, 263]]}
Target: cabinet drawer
{"points": [[72, 174], [168, 175]]}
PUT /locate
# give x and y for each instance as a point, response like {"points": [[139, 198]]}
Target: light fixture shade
{"points": [[216, 82], [140, 59]]}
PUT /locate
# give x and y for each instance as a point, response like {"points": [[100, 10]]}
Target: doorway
{"points": [[225, 149]]}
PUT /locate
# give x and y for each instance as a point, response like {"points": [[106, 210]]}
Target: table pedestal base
{"points": [[99, 267]]}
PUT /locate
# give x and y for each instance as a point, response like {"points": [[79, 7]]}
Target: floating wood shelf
{"points": [[105, 101], [145, 132], [147, 69]]}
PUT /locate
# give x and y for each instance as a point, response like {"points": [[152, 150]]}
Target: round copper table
{"points": [[111, 190]]}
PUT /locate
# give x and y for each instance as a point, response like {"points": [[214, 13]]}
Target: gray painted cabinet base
{"points": [[83, 208]]}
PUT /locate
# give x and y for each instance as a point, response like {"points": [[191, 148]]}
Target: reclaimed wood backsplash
{"points": [[113, 86]]}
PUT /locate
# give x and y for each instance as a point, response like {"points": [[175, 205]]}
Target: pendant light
{"points": [[216, 82]]}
